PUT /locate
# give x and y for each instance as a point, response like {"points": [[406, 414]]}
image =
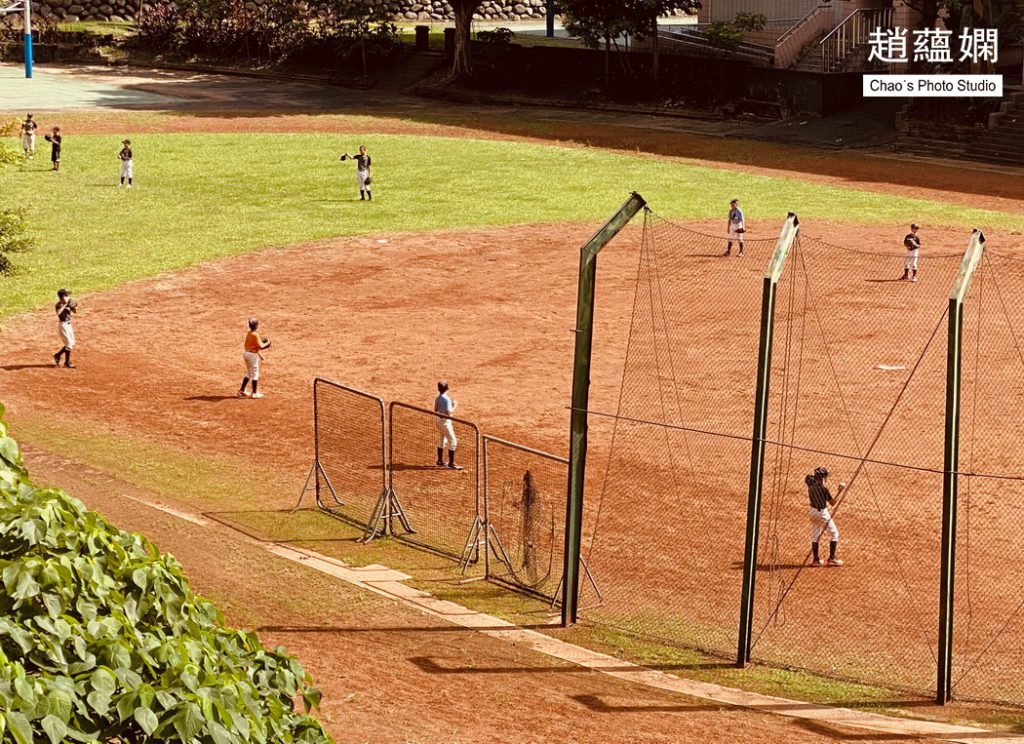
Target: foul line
{"points": [[386, 582]]}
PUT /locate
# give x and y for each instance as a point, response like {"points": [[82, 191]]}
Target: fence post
{"points": [[581, 398], [764, 366], [950, 463]]}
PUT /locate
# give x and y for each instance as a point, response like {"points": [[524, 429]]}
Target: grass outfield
{"points": [[203, 196]]}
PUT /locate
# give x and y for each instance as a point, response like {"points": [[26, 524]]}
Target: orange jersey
{"points": [[253, 342]]}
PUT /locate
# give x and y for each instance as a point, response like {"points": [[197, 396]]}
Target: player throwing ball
{"points": [[364, 171], [125, 156], [821, 498], [65, 308], [913, 245], [736, 227], [444, 407], [254, 344], [28, 136]]}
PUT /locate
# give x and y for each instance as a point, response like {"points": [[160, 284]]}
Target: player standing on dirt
{"points": [[364, 170], [28, 136], [736, 228], [252, 356], [912, 242], [125, 156], [821, 520], [444, 407], [65, 308]]}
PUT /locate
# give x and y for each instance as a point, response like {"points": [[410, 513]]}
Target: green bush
{"points": [[101, 639]]}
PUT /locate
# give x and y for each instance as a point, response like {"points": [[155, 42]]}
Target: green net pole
{"points": [[581, 399], [950, 463], [764, 362]]}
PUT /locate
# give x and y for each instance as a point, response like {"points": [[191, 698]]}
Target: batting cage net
{"points": [[524, 504], [440, 503], [988, 631], [857, 388], [348, 438], [669, 449]]}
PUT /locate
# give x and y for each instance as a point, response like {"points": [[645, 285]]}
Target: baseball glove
{"points": [[48, 138], [368, 180], [741, 230], [266, 342], [73, 304], [343, 158]]}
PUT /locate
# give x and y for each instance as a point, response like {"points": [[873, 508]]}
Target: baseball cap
{"points": [[821, 472], [914, 226]]}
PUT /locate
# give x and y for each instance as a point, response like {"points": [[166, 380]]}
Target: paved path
{"points": [[50, 88]]}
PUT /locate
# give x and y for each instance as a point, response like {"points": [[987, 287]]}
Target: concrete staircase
{"points": [[1003, 142]]}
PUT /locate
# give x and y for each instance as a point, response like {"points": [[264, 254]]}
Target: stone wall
{"points": [[403, 10]]}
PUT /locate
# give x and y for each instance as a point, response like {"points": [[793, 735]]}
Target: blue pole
{"points": [[28, 55]]}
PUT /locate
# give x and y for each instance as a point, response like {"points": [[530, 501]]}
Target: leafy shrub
{"points": [[723, 35], [14, 238], [158, 23], [749, 21], [101, 638]]}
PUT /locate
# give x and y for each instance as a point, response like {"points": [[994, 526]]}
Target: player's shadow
{"points": [[883, 281], [212, 398], [738, 566], [17, 367]]}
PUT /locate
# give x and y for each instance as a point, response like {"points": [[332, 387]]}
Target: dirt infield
{"points": [[491, 311]]}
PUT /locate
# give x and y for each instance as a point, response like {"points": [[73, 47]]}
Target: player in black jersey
{"points": [[364, 170]]}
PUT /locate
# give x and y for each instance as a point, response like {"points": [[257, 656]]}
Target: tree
{"points": [[597, 21], [463, 11], [644, 15], [14, 238]]}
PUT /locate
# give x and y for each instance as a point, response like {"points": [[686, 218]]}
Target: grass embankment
{"points": [[204, 196]]}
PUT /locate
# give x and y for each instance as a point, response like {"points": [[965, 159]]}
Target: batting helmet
{"points": [[821, 472]]}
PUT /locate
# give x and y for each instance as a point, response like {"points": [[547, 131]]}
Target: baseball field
{"points": [[464, 267]]}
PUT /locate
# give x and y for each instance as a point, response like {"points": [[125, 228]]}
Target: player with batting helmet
{"points": [[821, 520]]}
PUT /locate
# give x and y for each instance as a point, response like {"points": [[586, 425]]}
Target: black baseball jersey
{"points": [[363, 162], [912, 242], [125, 154], [29, 126], [818, 494], [55, 141], [65, 314]]}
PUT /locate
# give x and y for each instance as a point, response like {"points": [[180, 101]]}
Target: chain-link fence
{"points": [[439, 502]]}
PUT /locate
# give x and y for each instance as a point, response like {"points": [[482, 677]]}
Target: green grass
{"points": [[203, 196], [98, 28]]}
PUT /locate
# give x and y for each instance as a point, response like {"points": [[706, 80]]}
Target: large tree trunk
{"points": [[463, 10], [655, 48], [607, 61]]}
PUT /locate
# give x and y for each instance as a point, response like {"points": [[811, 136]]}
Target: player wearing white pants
{"points": [[125, 156], [913, 245], [820, 517], [253, 345], [28, 136], [736, 227], [364, 172], [65, 308], [444, 407]]}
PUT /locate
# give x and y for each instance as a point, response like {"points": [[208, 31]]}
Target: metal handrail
{"points": [[842, 23], [853, 32], [792, 29]]}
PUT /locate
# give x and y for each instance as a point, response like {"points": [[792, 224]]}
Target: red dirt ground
{"points": [[492, 311]]}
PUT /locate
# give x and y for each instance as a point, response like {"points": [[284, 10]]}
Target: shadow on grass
{"points": [[429, 665]]}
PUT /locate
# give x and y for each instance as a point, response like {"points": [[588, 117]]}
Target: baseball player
{"points": [[125, 156], [735, 228], [28, 136], [444, 407], [254, 344], [55, 141], [364, 170], [821, 520], [913, 245], [65, 308]]}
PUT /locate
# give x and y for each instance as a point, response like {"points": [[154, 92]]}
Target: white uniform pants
{"points": [[910, 262], [446, 434], [361, 178], [28, 142], [734, 231], [67, 334], [126, 169], [821, 521], [252, 365]]}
